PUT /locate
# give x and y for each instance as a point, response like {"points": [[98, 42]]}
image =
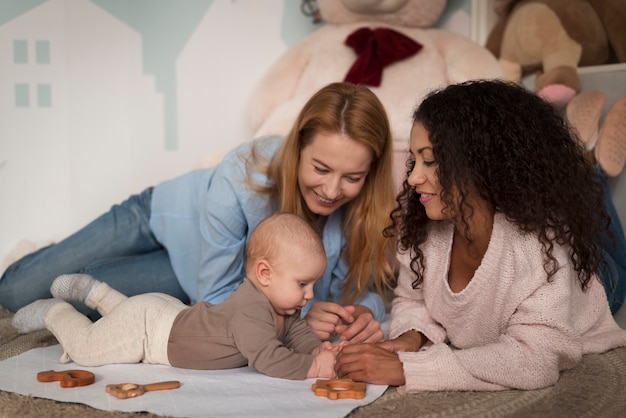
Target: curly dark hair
{"points": [[518, 153]]}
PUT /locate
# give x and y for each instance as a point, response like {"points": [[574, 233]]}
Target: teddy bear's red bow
{"points": [[376, 49]]}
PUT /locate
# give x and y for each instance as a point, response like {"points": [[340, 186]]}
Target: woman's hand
{"points": [[378, 363], [365, 329], [353, 324], [323, 317], [409, 341], [370, 363]]}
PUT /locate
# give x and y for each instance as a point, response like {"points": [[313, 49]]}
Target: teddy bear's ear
{"points": [[309, 8], [410, 13]]}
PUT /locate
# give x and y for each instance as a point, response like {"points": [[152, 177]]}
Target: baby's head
{"points": [[284, 258]]}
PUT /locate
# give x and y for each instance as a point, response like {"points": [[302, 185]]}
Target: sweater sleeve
{"points": [[537, 344], [408, 310], [299, 336], [231, 212], [223, 230]]}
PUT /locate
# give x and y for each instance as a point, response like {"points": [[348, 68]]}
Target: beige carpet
{"points": [[596, 388]]}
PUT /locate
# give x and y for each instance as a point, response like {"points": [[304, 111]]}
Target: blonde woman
{"points": [[186, 237]]}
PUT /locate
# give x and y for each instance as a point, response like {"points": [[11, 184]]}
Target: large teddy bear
{"points": [[552, 38], [404, 64]]}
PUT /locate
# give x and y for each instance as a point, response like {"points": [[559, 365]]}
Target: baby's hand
{"points": [[328, 346], [323, 365], [324, 358], [340, 345]]}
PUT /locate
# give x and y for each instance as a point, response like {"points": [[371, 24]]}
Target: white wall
{"points": [[98, 131]]}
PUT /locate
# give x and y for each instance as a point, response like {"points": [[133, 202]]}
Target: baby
{"points": [[259, 325]]}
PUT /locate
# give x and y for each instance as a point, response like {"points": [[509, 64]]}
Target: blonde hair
{"points": [[356, 112], [277, 232]]}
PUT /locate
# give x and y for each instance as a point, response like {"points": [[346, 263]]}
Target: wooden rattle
{"points": [[67, 378], [339, 388], [132, 390]]}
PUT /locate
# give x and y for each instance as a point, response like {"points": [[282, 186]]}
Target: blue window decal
{"points": [[20, 51], [42, 52], [22, 94], [44, 95]]}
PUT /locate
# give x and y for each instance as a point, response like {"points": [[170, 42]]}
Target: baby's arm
{"points": [[324, 358]]}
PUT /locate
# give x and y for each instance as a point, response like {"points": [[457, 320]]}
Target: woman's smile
{"points": [[425, 197], [324, 201], [332, 171]]}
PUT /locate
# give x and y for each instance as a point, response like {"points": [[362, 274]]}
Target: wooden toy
{"points": [[67, 378], [132, 390], [339, 388]]}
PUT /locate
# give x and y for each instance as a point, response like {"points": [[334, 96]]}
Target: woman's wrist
{"points": [[361, 309], [413, 340]]}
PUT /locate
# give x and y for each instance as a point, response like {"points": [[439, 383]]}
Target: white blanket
{"points": [[203, 393]]}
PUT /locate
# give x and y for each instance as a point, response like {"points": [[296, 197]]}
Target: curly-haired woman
{"points": [[502, 235]]}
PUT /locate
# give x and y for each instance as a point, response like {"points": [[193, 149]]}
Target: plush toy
{"points": [[554, 38], [389, 46]]}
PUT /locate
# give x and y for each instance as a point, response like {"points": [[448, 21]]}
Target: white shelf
{"points": [[602, 68]]}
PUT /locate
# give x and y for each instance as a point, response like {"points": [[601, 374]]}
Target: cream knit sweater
{"points": [[509, 328]]}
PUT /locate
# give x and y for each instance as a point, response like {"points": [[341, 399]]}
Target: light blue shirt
{"points": [[204, 219]]}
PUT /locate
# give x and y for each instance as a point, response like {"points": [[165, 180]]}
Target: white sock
{"points": [[31, 317], [73, 287]]}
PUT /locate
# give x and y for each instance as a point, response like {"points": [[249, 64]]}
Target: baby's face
{"points": [[292, 280]]}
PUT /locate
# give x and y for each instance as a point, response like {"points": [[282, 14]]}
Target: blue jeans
{"points": [[613, 274], [117, 248]]}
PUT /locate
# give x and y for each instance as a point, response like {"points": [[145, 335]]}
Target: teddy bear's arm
{"points": [[465, 59]]}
